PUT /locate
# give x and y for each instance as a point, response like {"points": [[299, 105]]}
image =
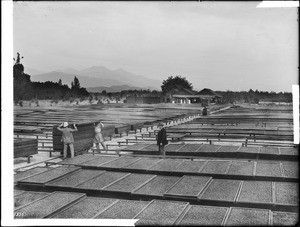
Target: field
{"points": [[236, 166]]}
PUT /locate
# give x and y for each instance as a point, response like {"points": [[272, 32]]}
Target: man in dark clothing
{"points": [[162, 139], [204, 111]]}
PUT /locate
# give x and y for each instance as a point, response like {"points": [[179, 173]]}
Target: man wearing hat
{"points": [[67, 137], [162, 139]]}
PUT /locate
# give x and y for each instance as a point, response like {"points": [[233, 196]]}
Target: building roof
{"points": [[208, 93], [185, 96], [177, 90]]}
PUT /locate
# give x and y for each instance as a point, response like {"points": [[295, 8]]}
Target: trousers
{"points": [[71, 145], [161, 150]]}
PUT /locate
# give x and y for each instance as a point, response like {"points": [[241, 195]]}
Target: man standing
{"points": [[67, 137], [162, 139]]}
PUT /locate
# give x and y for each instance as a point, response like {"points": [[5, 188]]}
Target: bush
{"points": [[72, 100]]}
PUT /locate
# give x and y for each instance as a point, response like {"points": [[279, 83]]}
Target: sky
{"points": [[219, 45]]}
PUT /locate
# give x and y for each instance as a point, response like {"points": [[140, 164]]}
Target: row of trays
{"points": [[228, 169], [155, 212], [25, 147], [192, 125], [199, 189], [211, 150], [238, 131], [83, 137]]}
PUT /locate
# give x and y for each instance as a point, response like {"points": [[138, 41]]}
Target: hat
{"points": [[65, 124], [160, 124]]}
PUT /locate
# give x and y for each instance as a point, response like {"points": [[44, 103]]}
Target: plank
{"points": [[47, 176], [270, 169], [208, 148], [291, 169], [142, 164], [269, 150], [241, 168], [71, 180], [129, 183], [165, 165], [288, 151], [24, 148], [101, 181], [173, 147], [252, 150], [188, 187], [151, 147], [48, 205], [161, 212], [216, 167], [27, 197], [190, 148], [18, 192], [286, 193], [157, 186], [221, 190], [120, 162], [256, 192], [285, 218], [98, 161], [123, 128], [203, 216], [135, 147], [189, 167], [123, 209], [86, 208], [227, 149], [31, 172], [77, 159], [248, 216]]}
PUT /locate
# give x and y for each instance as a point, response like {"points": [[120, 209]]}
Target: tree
{"points": [[18, 67], [172, 82], [22, 82], [60, 82], [256, 100], [75, 85], [77, 89]]}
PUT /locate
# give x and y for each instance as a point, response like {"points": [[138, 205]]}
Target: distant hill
{"points": [[67, 78], [115, 88], [31, 71], [98, 76]]}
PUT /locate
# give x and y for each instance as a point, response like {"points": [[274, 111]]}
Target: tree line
{"points": [[25, 89], [255, 96]]}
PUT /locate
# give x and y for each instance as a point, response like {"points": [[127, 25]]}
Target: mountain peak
{"points": [[100, 76], [120, 70], [95, 68]]}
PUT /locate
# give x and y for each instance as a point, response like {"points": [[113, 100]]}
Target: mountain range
{"points": [[97, 79], [114, 88]]}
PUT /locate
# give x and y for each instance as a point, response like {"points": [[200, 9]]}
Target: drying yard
{"points": [[236, 166]]}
